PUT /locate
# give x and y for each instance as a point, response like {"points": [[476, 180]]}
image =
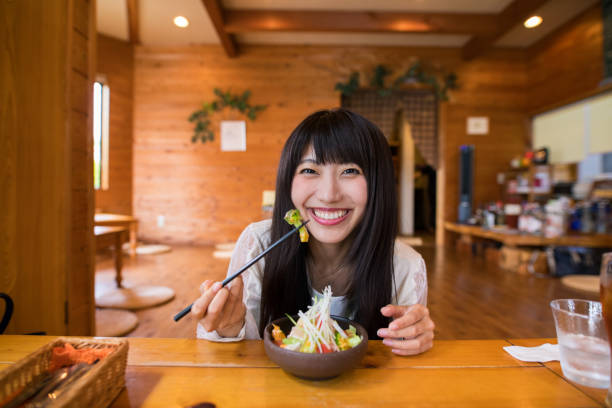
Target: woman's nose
{"points": [[329, 189]]}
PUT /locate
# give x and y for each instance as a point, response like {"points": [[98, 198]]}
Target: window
{"points": [[575, 131], [100, 135]]}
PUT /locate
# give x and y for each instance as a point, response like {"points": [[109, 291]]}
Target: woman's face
{"points": [[333, 196]]}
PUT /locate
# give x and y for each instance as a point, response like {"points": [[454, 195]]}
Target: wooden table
{"points": [[120, 220], [514, 240], [113, 237], [461, 373]]}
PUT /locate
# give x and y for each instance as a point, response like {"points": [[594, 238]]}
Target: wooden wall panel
{"points": [[568, 64], [44, 201], [35, 212], [116, 64], [81, 302], [208, 196], [492, 86]]}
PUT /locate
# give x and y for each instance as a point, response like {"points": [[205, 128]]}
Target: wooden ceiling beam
{"points": [[217, 14], [515, 13], [133, 22], [243, 21]]}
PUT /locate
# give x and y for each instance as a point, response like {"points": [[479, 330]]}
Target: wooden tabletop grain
{"points": [[462, 373]]}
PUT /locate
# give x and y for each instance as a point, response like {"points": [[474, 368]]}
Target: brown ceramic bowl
{"points": [[315, 366]]}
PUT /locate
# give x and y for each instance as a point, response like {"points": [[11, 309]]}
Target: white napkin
{"points": [[541, 354]]}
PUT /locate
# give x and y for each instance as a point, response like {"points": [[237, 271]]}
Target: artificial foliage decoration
{"points": [[350, 86], [201, 117], [415, 74], [378, 80]]}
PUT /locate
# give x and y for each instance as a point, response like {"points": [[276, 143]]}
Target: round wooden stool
{"points": [[586, 283], [114, 323], [143, 249], [137, 297]]}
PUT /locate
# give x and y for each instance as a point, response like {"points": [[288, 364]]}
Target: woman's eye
{"points": [[352, 171], [307, 171]]}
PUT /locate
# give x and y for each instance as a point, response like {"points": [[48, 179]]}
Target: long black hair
{"points": [[336, 136]]}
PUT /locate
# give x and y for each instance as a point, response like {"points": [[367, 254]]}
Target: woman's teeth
{"points": [[330, 215]]}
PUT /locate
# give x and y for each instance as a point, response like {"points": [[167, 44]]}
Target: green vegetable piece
{"points": [[291, 340], [291, 319], [354, 340], [294, 218]]}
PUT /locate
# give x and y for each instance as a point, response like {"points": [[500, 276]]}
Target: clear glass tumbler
{"points": [[583, 341], [606, 302]]}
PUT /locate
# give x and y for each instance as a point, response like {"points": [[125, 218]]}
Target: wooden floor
{"points": [[469, 298]]}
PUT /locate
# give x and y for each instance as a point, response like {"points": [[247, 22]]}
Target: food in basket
{"points": [[67, 355], [66, 365], [294, 218], [315, 331]]}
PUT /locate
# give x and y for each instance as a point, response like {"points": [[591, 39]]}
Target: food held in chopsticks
{"points": [[315, 331], [294, 218]]}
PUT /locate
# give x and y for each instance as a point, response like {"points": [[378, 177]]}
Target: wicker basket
{"points": [[97, 388]]}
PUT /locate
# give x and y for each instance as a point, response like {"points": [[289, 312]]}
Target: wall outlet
{"points": [[161, 220]]}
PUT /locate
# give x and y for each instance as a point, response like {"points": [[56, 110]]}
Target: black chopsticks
{"points": [[227, 280]]}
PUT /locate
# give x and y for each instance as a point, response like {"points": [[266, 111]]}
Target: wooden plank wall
{"points": [[45, 222], [491, 86], [115, 61], [80, 290], [208, 196], [567, 65]]}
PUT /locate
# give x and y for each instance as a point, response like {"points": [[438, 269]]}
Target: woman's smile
{"points": [[329, 216]]}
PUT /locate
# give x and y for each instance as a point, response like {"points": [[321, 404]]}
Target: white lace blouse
{"points": [[408, 265]]}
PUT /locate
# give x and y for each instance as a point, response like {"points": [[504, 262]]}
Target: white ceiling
{"points": [[157, 28]]}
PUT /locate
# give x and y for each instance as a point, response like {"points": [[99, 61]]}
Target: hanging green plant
{"points": [[202, 130], [378, 80], [350, 86], [416, 74]]}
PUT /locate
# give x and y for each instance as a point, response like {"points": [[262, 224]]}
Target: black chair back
{"points": [[8, 311]]}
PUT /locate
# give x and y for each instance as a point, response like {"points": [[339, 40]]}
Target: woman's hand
{"points": [[410, 332], [220, 309]]}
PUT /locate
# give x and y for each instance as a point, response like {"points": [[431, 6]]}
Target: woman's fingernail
{"points": [[216, 286], [381, 332], [386, 342]]}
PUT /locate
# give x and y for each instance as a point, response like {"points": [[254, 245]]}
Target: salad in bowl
{"points": [[316, 331], [318, 345]]}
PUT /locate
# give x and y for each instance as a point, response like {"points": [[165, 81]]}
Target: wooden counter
{"points": [[509, 239], [462, 373]]}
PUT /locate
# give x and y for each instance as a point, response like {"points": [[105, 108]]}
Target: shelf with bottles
{"points": [[536, 180]]}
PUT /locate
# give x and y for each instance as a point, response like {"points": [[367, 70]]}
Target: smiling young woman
{"points": [[336, 169]]}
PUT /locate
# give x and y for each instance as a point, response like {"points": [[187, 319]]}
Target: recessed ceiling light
{"points": [[181, 21], [533, 21]]}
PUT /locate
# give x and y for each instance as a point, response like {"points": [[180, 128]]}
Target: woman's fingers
{"points": [[234, 310], [417, 345], [218, 307], [198, 309], [404, 316], [206, 285], [215, 310], [411, 331]]}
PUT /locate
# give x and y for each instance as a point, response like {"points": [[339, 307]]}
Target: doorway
{"points": [[415, 180], [409, 120]]}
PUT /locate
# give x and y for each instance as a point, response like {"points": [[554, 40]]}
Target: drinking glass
{"points": [[583, 342], [606, 302]]}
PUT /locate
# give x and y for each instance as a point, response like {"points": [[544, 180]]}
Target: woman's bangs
{"points": [[338, 146]]}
